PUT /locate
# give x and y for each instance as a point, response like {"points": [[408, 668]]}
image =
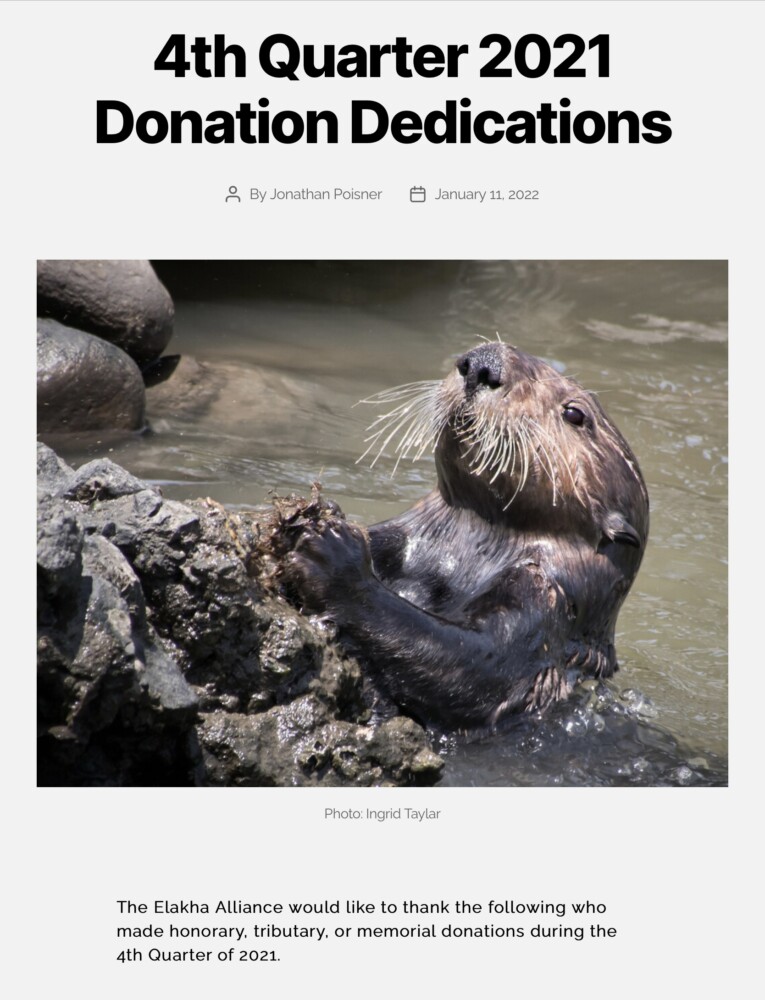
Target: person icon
{"points": [[232, 195]]}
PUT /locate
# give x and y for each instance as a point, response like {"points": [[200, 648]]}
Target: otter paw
{"points": [[328, 565]]}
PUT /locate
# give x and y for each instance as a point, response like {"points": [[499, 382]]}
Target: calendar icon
{"points": [[417, 194]]}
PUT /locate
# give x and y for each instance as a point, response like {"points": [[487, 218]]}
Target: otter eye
{"points": [[573, 415]]}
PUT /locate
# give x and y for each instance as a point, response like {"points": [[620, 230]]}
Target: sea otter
{"points": [[499, 589]]}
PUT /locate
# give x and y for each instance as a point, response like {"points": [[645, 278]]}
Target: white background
{"points": [[678, 868]]}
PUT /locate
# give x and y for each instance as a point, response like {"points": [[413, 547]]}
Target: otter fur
{"points": [[500, 588]]}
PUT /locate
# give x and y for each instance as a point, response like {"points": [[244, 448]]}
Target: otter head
{"points": [[522, 445]]}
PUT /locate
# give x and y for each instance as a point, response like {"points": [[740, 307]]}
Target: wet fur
{"points": [[502, 586]]}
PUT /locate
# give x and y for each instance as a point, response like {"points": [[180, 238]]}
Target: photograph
{"points": [[382, 523]]}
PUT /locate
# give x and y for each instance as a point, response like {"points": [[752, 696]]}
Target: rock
{"points": [[53, 474], [301, 744], [189, 392], [109, 697], [85, 384], [121, 301], [59, 547], [166, 654], [101, 479]]}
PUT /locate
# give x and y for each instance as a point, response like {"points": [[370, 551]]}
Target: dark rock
{"points": [[398, 747], [121, 301], [104, 682], [301, 744], [164, 684], [83, 383], [101, 479], [53, 474], [159, 371], [167, 656], [59, 547]]}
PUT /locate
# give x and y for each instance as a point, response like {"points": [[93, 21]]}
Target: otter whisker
{"points": [[423, 432], [546, 460], [391, 423], [418, 420], [502, 456], [548, 442], [484, 441], [399, 419], [413, 406], [549, 467], [497, 447], [522, 436], [485, 444], [400, 391]]}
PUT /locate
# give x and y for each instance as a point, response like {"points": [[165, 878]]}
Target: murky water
{"points": [[291, 347]]}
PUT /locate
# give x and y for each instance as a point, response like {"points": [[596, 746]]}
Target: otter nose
{"points": [[479, 367]]}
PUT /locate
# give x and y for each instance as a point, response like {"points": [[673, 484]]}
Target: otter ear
{"points": [[618, 529]]}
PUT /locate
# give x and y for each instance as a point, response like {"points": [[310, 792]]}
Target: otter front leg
{"points": [[328, 565], [437, 670]]}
